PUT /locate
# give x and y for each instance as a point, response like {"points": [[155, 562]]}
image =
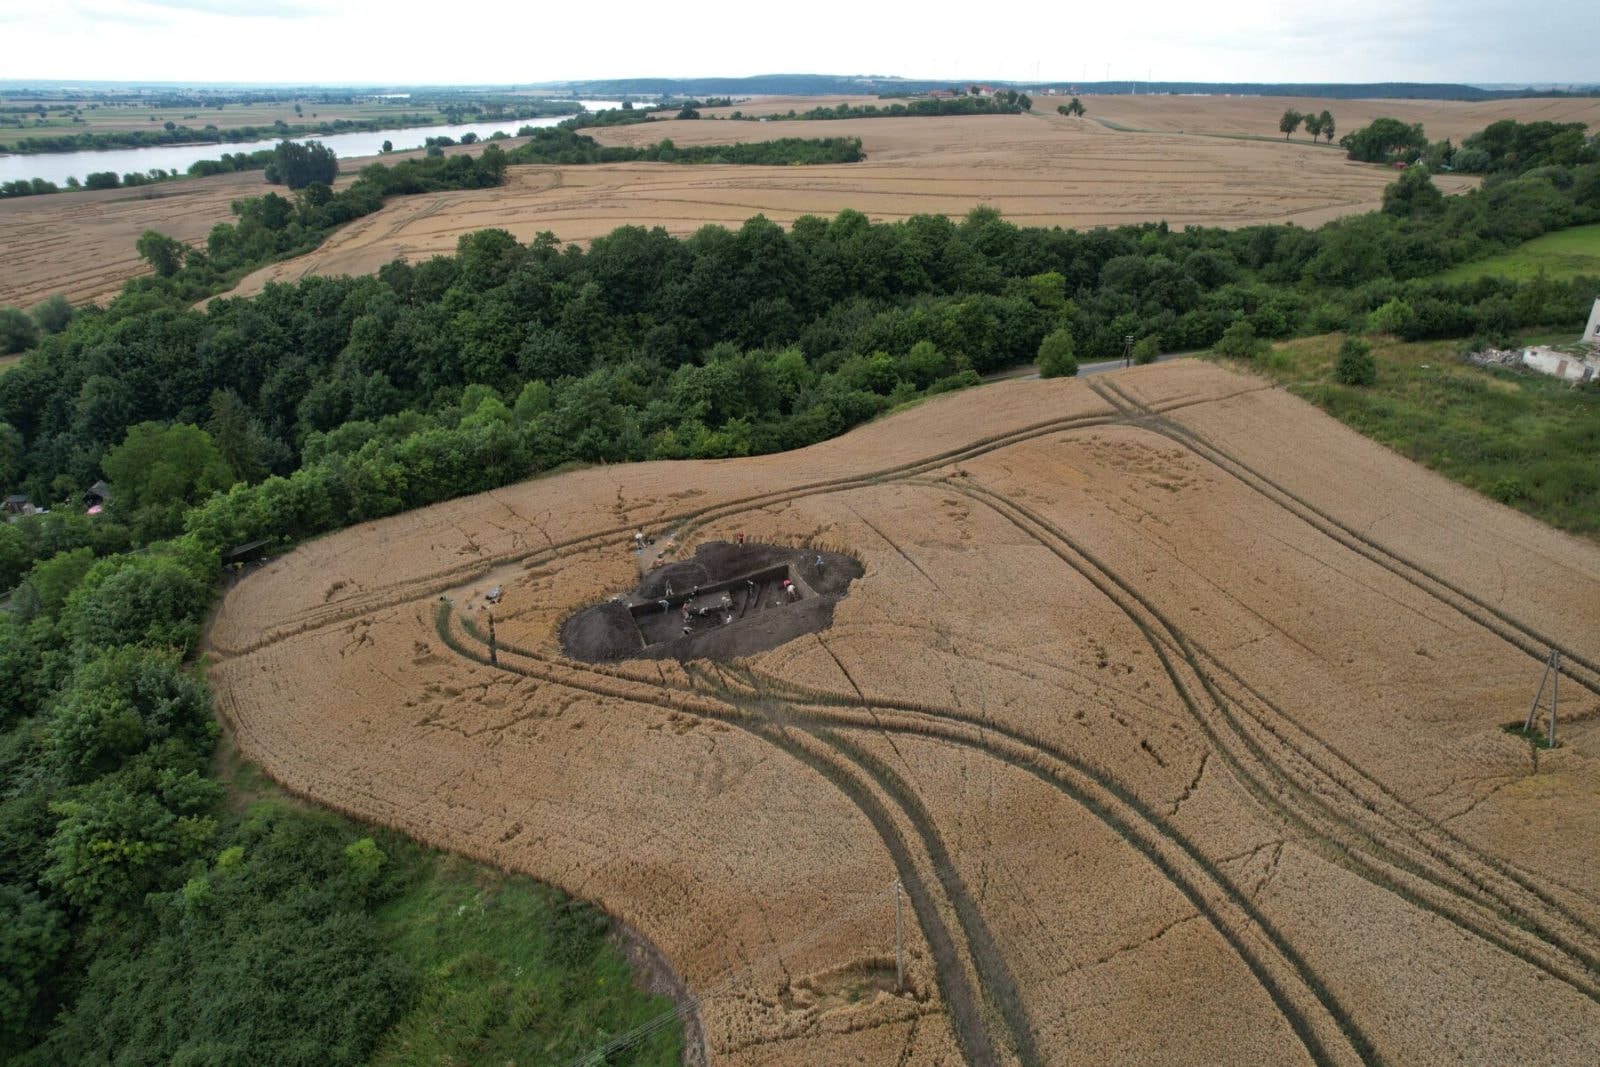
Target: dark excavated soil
{"points": [[736, 601]]}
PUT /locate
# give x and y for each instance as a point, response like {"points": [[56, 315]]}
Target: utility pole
{"points": [[1552, 674], [494, 659], [899, 942]]}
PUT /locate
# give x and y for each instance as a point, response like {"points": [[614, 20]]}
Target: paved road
{"points": [[1031, 371]]}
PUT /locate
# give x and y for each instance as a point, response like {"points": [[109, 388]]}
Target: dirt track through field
{"points": [[1166, 730]]}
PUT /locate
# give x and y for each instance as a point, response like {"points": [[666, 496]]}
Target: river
{"points": [[59, 166]]}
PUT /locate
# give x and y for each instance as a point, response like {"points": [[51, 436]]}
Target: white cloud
{"points": [[237, 8]]}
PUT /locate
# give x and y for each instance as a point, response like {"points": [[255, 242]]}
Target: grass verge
{"points": [[1560, 255], [1525, 439], [511, 972], [504, 969]]}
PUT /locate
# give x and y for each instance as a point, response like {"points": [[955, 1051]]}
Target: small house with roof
{"points": [[17, 504], [97, 495]]}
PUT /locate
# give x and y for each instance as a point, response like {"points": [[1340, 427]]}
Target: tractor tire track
{"points": [[1485, 615], [1261, 948], [1341, 837], [688, 521], [955, 989], [1510, 629]]}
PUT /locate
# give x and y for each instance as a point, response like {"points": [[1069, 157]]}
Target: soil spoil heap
{"points": [[730, 600]]}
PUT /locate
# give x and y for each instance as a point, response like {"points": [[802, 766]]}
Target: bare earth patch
{"points": [[1174, 705]]}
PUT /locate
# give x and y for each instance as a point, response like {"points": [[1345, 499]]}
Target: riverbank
{"points": [[58, 167], [82, 245]]}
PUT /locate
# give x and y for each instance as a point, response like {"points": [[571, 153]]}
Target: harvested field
{"points": [[1039, 169], [1174, 706], [81, 244], [1258, 115]]}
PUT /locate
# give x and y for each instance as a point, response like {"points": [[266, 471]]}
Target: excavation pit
{"points": [[727, 601]]}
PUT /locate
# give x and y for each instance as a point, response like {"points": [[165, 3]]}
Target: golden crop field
{"points": [[1037, 170], [1258, 115], [1175, 707], [1041, 169]]}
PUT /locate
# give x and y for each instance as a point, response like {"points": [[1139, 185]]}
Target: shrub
{"points": [[17, 331], [1356, 365], [1394, 317], [1240, 341], [1056, 358]]}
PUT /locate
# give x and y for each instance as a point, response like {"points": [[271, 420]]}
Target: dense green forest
{"points": [[144, 919], [124, 874], [721, 343]]}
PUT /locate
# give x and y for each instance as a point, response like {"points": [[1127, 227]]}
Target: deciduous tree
{"points": [[297, 164], [163, 253], [17, 331], [157, 470], [1056, 355], [1385, 139]]}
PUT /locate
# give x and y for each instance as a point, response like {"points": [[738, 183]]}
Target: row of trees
{"points": [[107, 179], [228, 163], [98, 141], [272, 226], [1316, 125], [1006, 102], [565, 145], [104, 139]]}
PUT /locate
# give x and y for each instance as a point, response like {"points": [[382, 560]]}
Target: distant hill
{"points": [[872, 85]]}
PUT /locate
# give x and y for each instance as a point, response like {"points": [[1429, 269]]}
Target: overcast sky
{"points": [[333, 42]]}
